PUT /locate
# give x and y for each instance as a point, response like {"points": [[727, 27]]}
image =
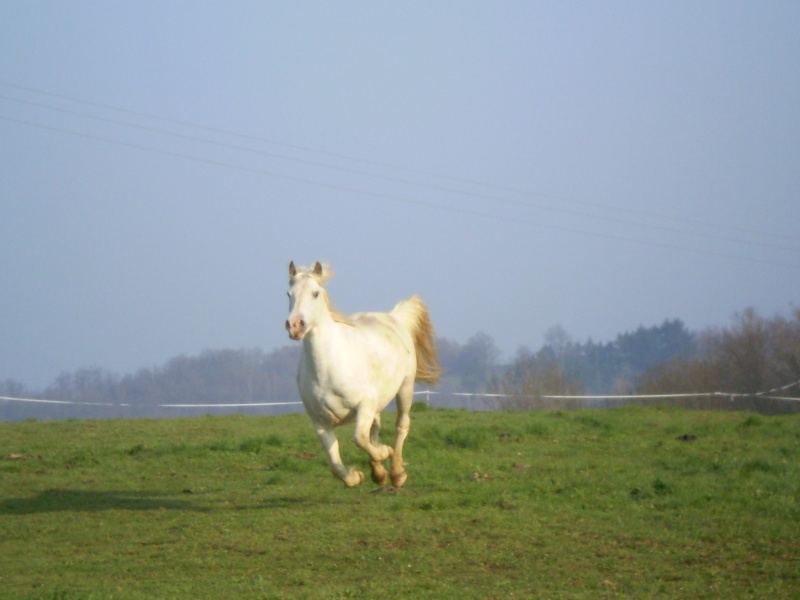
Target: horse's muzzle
{"points": [[296, 329]]}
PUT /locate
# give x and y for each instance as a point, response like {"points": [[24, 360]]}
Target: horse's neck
{"points": [[324, 343]]}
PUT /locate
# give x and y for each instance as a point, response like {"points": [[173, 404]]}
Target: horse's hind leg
{"points": [[330, 444], [404, 398]]}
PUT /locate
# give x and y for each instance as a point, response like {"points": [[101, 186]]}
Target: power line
{"points": [[400, 199], [449, 190], [529, 193]]}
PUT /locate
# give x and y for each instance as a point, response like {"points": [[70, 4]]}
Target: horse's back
{"points": [[385, 326]]}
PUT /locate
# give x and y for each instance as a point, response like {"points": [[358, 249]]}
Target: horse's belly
{"points": [[329, 408]]}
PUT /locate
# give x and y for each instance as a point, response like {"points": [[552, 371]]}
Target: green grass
{"points": [[580, 504]]}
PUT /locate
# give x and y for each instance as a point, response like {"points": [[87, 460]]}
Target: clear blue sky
{"points": [[593, 165]]}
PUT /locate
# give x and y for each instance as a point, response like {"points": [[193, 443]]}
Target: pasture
{"points": [[626, 503]]}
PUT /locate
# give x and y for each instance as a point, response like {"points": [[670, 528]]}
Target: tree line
{"points": [[756, 357], [244, 376], [754, 354], [746, 363], [213, 377]]}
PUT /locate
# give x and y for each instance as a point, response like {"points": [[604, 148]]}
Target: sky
{"points": [[520, 165]]}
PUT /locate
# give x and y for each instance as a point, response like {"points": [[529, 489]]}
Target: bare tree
{"points": [[533, 377], [754, 355]]}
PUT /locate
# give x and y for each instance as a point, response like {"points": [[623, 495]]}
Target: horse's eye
{"points": [[315, 294]]}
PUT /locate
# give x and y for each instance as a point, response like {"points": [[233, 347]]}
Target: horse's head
{"points": [[307, 299]]}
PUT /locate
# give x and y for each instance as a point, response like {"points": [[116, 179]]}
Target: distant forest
{"points": [[752, 365], [753, 355]]}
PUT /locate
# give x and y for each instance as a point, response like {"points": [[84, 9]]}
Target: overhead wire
{"points": [[421, 172], [490, 198], [435, 187], [405, 200]]}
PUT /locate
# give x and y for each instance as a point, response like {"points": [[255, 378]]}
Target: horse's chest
{"points": [[325, 398]]}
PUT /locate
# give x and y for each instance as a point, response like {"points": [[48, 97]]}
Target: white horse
{"points": [[352, 367]]}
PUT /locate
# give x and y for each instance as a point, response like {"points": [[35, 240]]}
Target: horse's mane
{"points": [[321, 276], [335, 314]]}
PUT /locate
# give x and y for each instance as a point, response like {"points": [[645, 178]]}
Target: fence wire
{"points": [[764, 401]]}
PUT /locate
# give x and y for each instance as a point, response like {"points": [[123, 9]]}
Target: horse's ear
{"points": [[318, 269], [292, 270]]}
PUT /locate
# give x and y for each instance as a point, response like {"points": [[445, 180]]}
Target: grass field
{"points": [[625, 503]]}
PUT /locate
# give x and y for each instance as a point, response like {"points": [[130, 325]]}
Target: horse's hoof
{"points": [[354, 478], [399, 479], [378, 474]]}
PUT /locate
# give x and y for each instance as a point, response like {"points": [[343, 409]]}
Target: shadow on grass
{"points": [[282, 502], [59, 500]]}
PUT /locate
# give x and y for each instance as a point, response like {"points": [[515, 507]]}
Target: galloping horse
{"points": [[352, 367]]}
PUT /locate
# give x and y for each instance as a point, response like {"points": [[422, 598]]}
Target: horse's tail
{"points": [[413, 314]]}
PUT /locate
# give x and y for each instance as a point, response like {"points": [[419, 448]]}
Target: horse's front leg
{"points": [[330, 444], [378, 471], [368, 426]]}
